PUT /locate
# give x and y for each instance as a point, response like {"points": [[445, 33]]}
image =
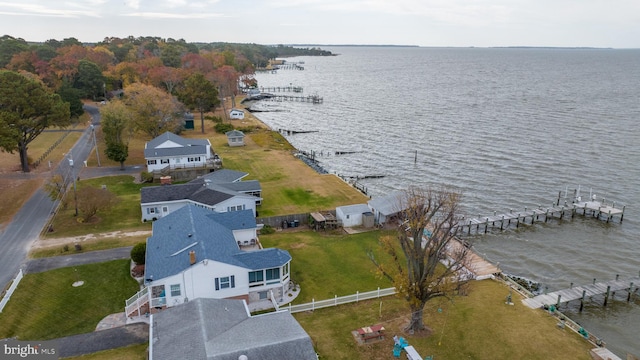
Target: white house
{"points": [[219, 191], [352, 215], [236, 114], [171, 150], [222, 329], [196, 253]]}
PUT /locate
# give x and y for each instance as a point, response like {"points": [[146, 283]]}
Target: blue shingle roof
{"points": [[207, 233]]}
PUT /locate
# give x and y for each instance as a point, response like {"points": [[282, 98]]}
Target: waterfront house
{"points": [[219, 329], [172, 151], [197, 253], [235, 138], [218, 191], [236, 114]]}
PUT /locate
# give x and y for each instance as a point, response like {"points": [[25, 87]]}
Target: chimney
{"points": [[192, 257]]}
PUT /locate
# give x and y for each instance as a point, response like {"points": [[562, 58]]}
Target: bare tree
{"points": [[425, 259], [91, 200]]}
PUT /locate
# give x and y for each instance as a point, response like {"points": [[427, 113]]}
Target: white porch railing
{"points": [[341, 300], [134, 303]]}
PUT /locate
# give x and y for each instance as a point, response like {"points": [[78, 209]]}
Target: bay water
{"points": [[509, 128]]}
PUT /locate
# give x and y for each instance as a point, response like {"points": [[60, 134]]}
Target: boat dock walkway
{"points": [[314, 99], [608, 288], [290, 88], [559, 210]]}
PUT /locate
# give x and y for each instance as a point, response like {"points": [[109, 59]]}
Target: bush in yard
{"points": [[215, 119], [146, 177], [223, 128], [138, 253], [266, 230]]}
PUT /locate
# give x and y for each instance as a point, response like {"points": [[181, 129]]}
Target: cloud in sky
{"points": [[417, 22]]}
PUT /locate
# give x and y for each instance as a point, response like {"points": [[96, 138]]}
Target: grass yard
{"points": [[329, 264], [477, 326], [46, 305], [125, 215], [17, 189]]}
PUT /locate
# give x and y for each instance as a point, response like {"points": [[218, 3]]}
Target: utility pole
{"points": [[95, 143], [75, 192]]}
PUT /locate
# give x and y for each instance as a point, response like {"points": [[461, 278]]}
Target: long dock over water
{"points": [[290, 88], [559, 209], [314, 99], [606, 288]]}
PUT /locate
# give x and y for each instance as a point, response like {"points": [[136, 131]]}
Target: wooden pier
{"points": [[607, 288], [293, 132], [560, 209], [314, 99], [294, 89]]}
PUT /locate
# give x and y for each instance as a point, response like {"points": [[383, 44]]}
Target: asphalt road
{"points": [[26, 226]]}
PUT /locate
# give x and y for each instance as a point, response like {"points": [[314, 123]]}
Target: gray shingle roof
{"points": [[222, 329], [188, 146], [194, 192], [243, 186], [209, 234], [221, 185], [220, 176], [234, 133]]}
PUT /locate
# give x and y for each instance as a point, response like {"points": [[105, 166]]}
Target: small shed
{"points": [[236, 114], [386, 207], [235, 138], [351, 215], [188, 121]]}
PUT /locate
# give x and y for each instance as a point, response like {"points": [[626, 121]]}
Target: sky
{"points": [[456, 23]]}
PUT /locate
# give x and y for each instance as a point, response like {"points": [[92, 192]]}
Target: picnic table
{"points": [[371, 332]]}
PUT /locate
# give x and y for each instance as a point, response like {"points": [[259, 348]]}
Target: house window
{"points": [[151, 162], [164, 161], [225, 282], [193, 159], [165, 209], [152, 210], [256, 276], [285, 269], [273, 274], [347, 216], [175, 290], [262, 295], [235, 208]]}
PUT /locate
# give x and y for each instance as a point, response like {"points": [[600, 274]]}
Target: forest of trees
{"points": [[191, 76]]}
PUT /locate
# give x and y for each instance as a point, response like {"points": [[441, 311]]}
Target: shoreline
{"points": [[310, 162]]}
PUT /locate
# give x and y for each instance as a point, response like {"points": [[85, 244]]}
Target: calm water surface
{"points": [[510, 128]]}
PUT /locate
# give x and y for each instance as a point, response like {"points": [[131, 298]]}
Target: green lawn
{"points": [[477, 326], [123, 216], [329, 264], [47, 306]]}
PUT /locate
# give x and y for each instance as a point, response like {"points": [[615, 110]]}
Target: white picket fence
{"points": [[12, 288], [338, 300]]}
